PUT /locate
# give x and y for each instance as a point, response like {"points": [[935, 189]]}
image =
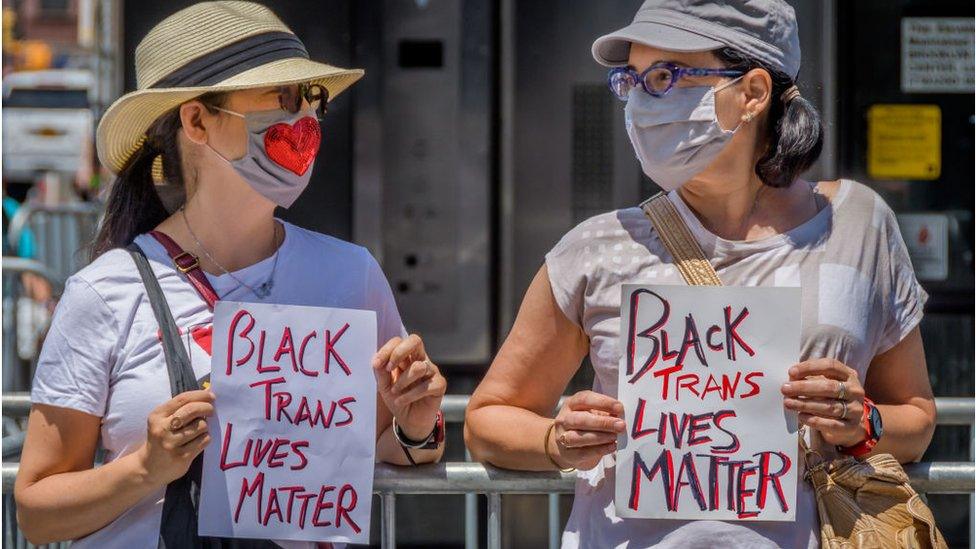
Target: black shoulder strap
{"points": [[181, 376]]}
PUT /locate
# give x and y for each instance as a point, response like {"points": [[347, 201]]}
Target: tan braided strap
{"points": [[673, 231]]}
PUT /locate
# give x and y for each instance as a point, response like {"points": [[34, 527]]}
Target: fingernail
{"points": [[785, 387], [794, 370], [620, 425]]}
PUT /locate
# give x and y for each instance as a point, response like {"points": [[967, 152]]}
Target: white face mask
{"points": [[281, 149], [676, 136]]}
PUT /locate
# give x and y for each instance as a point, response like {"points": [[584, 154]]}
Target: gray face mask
{"points": [[678, 135], [281, 149]]}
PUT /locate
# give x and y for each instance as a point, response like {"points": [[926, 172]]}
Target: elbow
{"points": [[30, 524], [472, 436]]}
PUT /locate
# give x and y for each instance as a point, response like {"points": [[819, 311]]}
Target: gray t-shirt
{"points": [[860, 297]]}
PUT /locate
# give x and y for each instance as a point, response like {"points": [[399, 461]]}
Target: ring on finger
{"points": [[841, 391], [843, 407], [562, 440], [175, 423]]}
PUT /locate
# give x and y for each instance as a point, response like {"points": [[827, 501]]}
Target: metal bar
{"points": [[506, 165], [470, 515], [494, 521], [955, 410], [949, 410], [554, 521], [388, 527], [13, 444], [941, 477], [470, 521]]}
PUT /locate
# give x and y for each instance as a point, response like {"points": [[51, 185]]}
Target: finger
{"points": [[424, 388], [383, 355], [580, 439], [827, 367], [420, 369], [823, 424], [825, 407], [409, 349], [193, 448], [384, 380], [590, 400], [822, 388], [193, 430], [167, 408], [590, 454], [187, 413], [586, 421]]}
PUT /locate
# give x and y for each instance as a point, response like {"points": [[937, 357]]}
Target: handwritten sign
{"points": [[708, 436], [295, 422]]}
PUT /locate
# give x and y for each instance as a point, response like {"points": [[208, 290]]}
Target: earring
{"points": [[747, 117]]}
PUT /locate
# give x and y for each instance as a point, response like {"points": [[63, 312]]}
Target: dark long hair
{"points": [[134, 206], [794, 135]]}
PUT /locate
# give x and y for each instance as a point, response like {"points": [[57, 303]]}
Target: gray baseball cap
{"points": [[762, 29]]}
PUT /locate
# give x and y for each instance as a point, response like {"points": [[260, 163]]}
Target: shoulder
{"points": [[854, 198], [108, 271], [607, 229], [322, 252]]}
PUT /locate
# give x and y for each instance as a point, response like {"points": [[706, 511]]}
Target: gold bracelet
{"points": [[548, 455]]}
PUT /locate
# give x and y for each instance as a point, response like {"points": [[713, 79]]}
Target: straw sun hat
{"points": [[208, 47]]}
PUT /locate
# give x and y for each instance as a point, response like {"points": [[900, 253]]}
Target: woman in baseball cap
{"points": [[717, 120], [223, 128]]}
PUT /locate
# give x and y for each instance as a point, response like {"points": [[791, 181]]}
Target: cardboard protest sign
{"points": [[294, 433], [700, 374]]}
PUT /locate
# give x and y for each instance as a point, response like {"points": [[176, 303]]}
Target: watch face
{"points": [[876, 427]]}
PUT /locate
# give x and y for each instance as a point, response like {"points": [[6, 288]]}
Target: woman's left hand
{"points": [[829, 398], [410, 384]]}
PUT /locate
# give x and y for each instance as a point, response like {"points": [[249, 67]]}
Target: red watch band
{"points": [[865, 446]]}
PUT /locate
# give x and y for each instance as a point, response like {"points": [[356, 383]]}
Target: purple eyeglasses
{"points": [[658, 79]]}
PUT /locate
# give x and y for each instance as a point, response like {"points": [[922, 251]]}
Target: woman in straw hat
{"points": [[225, 115], [716, 119]]}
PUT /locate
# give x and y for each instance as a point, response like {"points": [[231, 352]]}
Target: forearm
{"points": [[388, 450], [509, 437], [70, 505], [908, 430]]}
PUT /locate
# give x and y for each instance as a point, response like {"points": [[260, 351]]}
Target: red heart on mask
{"points": [[293, 147]]}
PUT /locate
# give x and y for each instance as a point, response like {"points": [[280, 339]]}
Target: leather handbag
{"points": [[861, 503]]}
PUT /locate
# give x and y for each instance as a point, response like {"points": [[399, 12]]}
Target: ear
{"points": [[758, 88], [195, 119]]}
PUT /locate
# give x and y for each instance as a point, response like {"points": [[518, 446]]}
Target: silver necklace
{"points": [[262, 291]]}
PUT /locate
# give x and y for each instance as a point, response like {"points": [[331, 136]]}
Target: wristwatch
{"points": [[433, 440], [873, 429]]}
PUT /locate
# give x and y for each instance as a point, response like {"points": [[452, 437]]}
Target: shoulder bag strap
{"points": [[189, 265], [181, 376], [677, 238]]}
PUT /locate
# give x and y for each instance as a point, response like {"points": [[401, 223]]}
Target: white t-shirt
{"points": [[860, 298], [103, 355]]}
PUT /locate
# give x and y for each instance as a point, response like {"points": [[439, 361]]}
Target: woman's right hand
{"points": [[586, 429], [176, 433]]}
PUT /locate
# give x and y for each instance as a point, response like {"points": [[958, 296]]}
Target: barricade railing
{"points": [[25, 319], [475, 478], [60, 234]]}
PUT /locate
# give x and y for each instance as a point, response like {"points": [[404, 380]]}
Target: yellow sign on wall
{"points": [[904, 142]]}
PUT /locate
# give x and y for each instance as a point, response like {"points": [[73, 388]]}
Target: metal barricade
{"points": [[475, 478], [25, 320], [61, 234]]}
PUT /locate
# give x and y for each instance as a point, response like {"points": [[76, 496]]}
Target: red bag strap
{"points": [[189, 265]]}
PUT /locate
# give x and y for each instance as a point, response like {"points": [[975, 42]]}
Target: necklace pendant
{"points": [[264, 290]]}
